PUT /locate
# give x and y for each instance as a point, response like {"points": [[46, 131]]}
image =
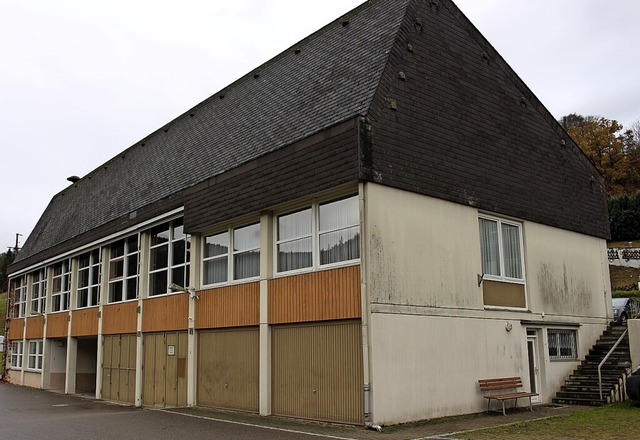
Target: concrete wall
{"points": [[32, 379], [431, 337]]}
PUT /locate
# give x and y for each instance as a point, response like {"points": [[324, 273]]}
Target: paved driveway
{"points": [[31, 414]]}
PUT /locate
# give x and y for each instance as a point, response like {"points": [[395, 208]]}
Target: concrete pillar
{"points": [[192, 346], [266, 273], [72, 359]]}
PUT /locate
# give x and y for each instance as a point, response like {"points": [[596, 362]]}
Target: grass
{"points": [[620, 421], [623, 244]]}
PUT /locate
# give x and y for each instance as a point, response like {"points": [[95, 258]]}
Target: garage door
{"points": [[317, 371], [165, 369], [119, 368], [228, 368]]}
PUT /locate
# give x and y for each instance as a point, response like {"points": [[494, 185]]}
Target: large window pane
{"points": [[511, 251], [295, 255], [159, 257], [246, 265], [342, 245], [294, 225], [158, 283], [216, 245], [338, 214], [489, 247], [246, 238], [215, 271]]}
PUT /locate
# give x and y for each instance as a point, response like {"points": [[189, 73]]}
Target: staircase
{"points": [[581, 388]]}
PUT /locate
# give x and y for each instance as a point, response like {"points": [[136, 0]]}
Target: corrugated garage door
{"points": [[119, 368], [165, 369], [228, 368], [317, 371]]}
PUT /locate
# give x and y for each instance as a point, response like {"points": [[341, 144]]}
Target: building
{"points": [[357, 230]]}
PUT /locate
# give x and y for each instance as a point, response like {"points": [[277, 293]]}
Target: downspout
{"points": [[364, 297]]}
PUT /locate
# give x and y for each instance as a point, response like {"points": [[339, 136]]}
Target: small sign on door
{"points": [[171, 350]]}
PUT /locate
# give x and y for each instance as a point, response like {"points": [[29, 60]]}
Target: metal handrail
{"points": [[605, 359]]}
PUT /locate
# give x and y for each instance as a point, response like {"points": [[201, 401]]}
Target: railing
{"points": [[605, 359]]}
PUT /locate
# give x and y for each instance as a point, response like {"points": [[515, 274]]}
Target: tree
{"points": [[6, 258], [614, 152]]}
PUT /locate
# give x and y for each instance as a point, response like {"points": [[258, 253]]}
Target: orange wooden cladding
{"points": [[58, 325], [232, 306], [120, 318], [84, 322], [35, 327], [165, 313], [16, 329], [317, 296]]}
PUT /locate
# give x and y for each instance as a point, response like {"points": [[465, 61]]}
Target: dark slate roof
{"points": [[329, 77]]}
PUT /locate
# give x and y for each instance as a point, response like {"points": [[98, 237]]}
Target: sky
{"points": [[81, 81]]}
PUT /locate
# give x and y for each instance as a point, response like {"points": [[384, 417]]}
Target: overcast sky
{"points": [[81, 81]]}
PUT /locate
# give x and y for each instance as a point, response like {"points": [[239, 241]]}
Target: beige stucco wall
{"points": [[431, 337], [32, 379]]}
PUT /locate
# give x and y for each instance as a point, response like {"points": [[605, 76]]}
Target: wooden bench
{"points": [[503, 384]]}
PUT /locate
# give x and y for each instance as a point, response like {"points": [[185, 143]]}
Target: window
{"points": [[500, 245], [170, 250], [89, 279], [339, 231], [123, 269], [38, 291], [562, 344], [15, 357], [61, 286], [233, 254], [19, 297], [34, 360], [320, 235]]}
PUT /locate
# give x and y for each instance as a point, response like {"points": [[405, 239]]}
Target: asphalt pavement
{"points": [[33, 414]]}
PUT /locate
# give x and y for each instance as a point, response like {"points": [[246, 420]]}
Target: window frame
{"points": [[173, 224], [19, 297], [65, 280], [86, 291], [18, 355], [556, 333], [38, 292], [37, 356], [229, 256], [126, 278], [502, 277], [314, 206]]}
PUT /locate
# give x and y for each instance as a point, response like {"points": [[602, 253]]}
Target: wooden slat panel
{"points": [[318, 372], [35, 327], [166, 313], [120, 318], [84, 322], [232, 306], [149, 368], [228, 368], [317, 296], [16, 329], [58, 325]]}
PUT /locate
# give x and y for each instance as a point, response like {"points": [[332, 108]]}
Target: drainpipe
{"points": [[366, 364]]}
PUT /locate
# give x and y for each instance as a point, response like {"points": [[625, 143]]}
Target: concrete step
{"points": [[579, 401]]}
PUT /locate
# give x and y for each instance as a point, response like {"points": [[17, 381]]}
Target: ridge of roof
{"points": [[328, 77]]}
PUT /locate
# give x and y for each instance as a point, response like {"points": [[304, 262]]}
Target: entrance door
{"points": [[534, 371]]}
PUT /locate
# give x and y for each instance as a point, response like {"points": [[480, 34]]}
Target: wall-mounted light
{"points": [[178, 288]]}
